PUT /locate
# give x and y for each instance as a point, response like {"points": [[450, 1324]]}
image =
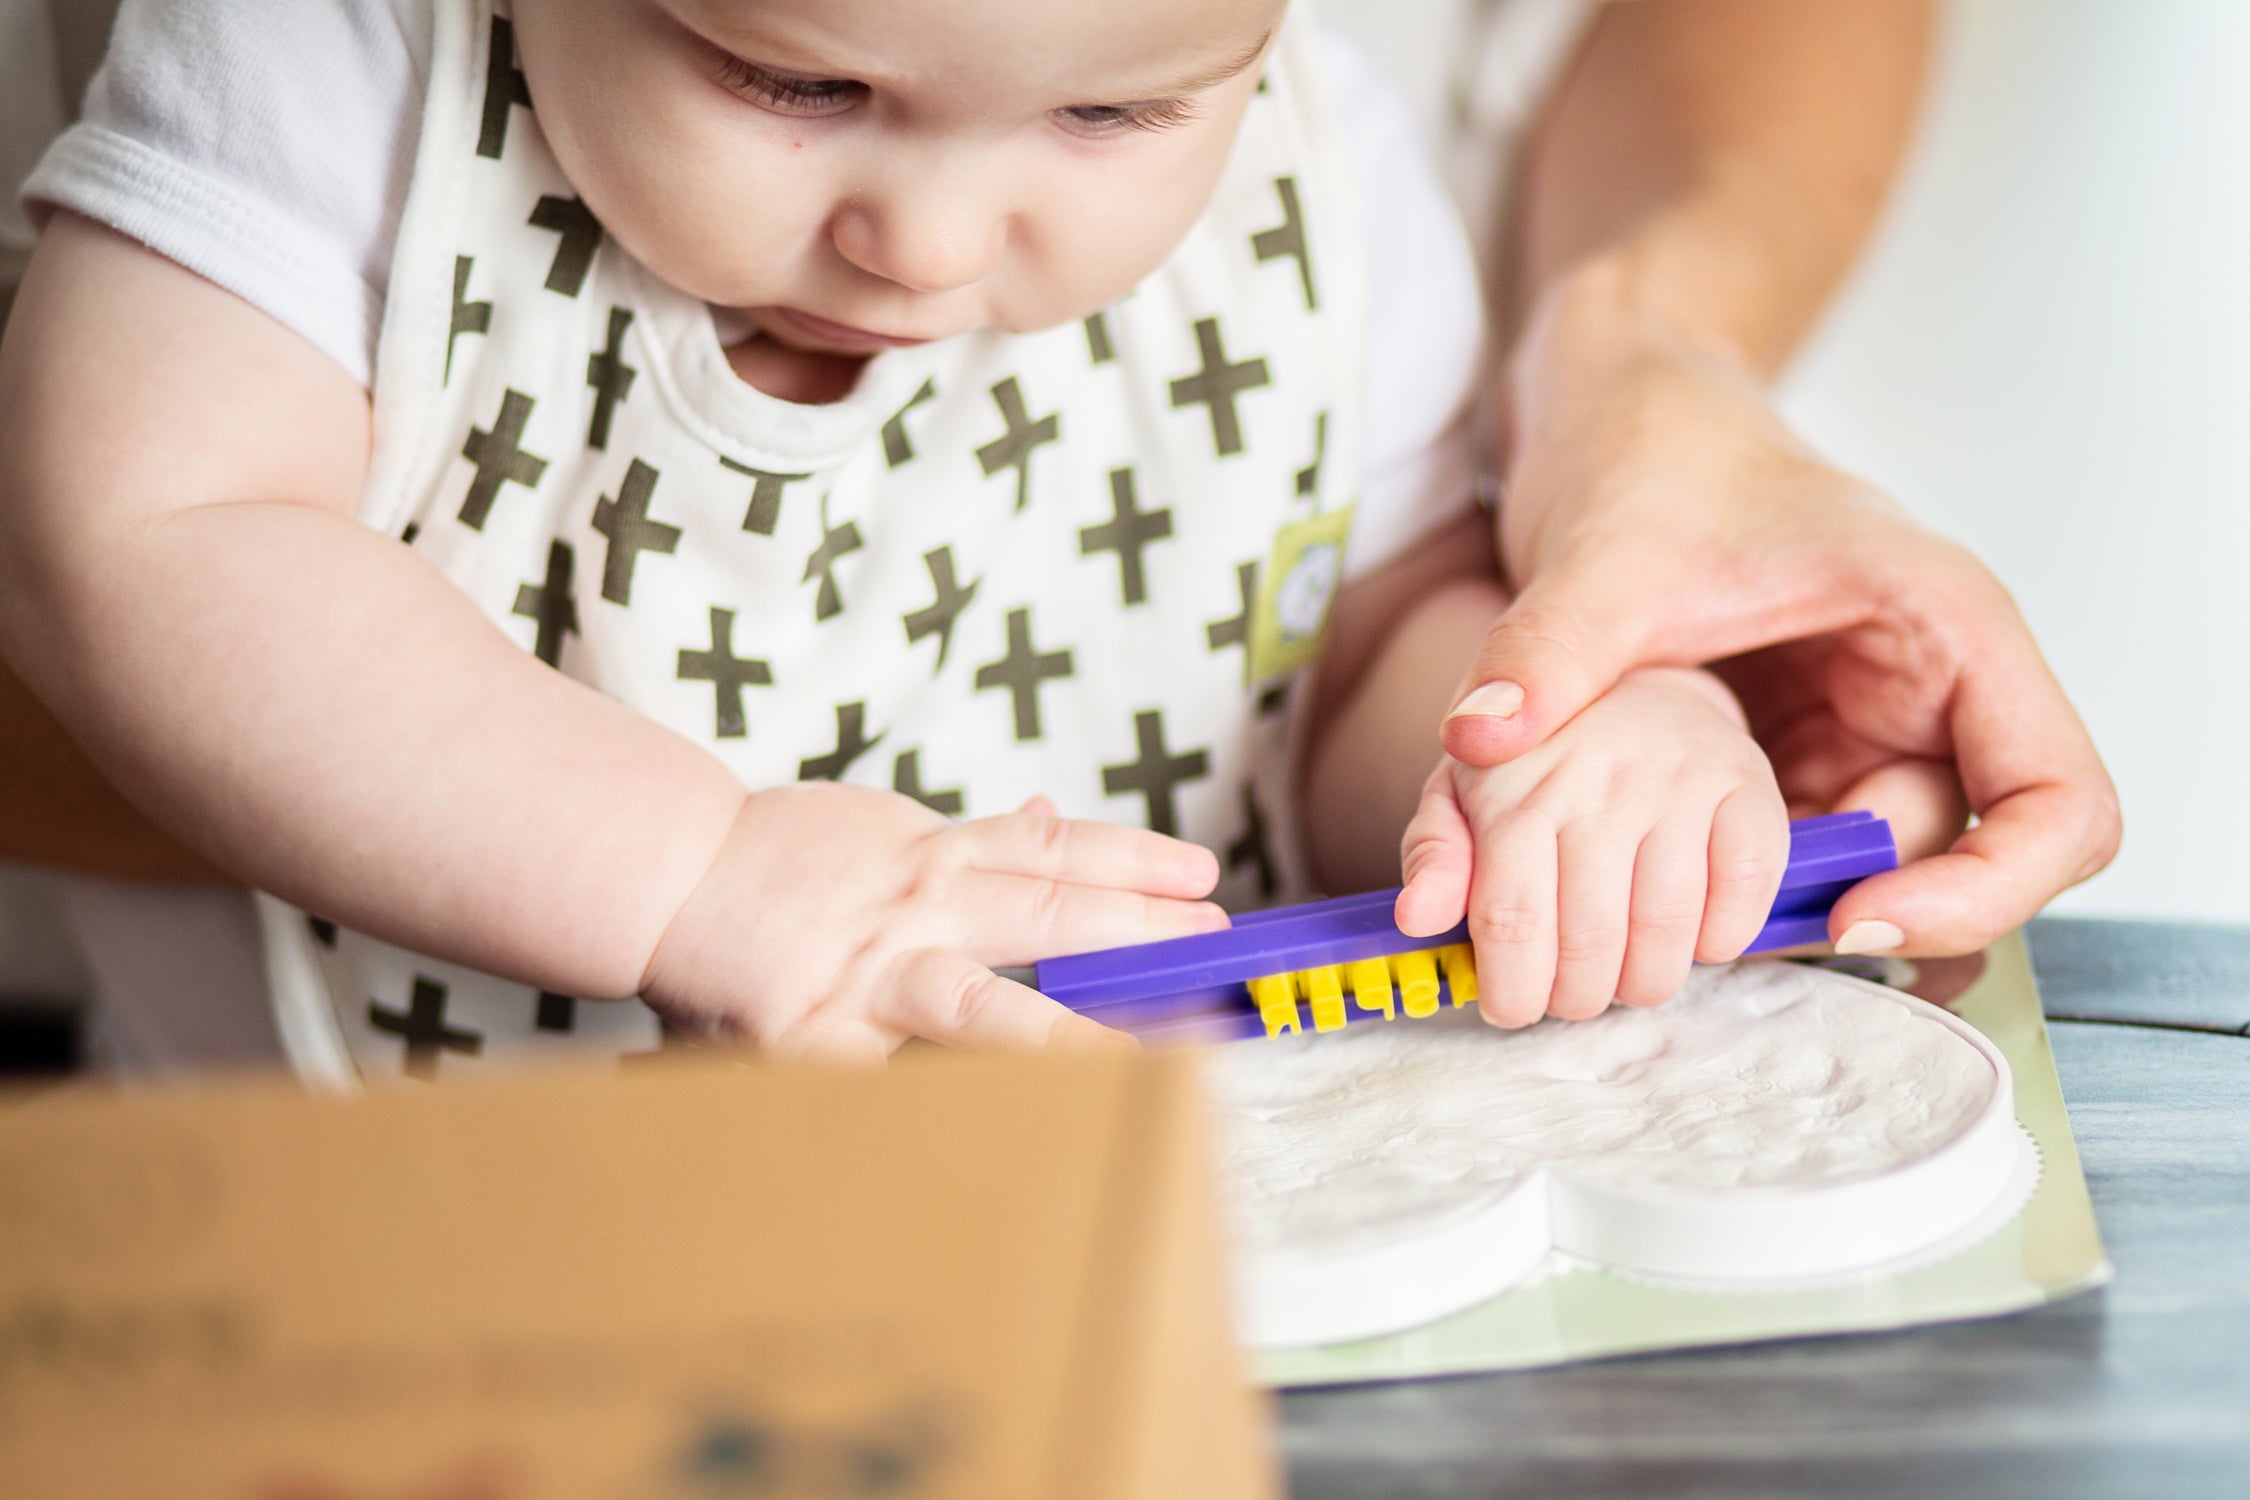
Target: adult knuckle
{"points": [[2105, 830]]}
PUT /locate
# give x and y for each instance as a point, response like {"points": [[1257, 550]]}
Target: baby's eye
{"points": [[787, 95], [1114, 119]]}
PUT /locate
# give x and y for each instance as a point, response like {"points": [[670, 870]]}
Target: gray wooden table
{"points": [[2140, 1390]]}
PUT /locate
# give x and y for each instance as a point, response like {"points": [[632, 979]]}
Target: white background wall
{"points": [[2047, 355]]}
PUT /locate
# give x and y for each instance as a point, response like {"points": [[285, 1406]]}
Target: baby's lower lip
{"points": [[841, 334]]}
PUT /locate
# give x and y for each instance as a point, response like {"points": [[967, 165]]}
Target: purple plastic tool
{"points": [[1197, 988]]}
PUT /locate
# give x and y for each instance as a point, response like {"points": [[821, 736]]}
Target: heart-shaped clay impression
{"points": [[1770, 1122]]}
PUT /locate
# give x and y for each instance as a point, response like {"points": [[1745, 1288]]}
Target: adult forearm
{"points": [[1716, 165]]}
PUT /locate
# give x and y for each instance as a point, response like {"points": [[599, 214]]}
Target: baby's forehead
{"points": [[1077, 50]]}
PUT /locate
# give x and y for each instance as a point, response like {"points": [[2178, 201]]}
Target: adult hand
{"points": [[1658, 511]]}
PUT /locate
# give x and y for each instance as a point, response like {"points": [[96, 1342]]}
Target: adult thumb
{"points": [[1563, 643]]}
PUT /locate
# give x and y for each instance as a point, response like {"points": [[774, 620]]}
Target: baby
{"points": [[844, 498]]}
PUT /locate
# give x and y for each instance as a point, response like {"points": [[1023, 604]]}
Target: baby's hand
{"points": [[838, 921], [1648, 831]]}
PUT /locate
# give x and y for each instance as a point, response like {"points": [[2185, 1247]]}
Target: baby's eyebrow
{"points": [[1213, 77]]}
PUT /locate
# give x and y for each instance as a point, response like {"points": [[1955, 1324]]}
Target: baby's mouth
{"points": [[812, 333]]}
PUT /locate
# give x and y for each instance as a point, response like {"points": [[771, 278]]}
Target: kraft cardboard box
{"points": [[963, 1277]]}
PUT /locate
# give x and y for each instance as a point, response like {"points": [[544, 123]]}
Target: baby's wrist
{"points": [[673, 956]]}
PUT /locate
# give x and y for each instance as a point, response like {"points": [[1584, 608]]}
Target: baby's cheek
{"points": [[1093, 225]]}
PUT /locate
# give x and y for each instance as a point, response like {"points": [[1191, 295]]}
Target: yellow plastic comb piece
{"points": [[1324, 988], [1370, 979], [1460, 961], [1417, 982], [1276, 999]]}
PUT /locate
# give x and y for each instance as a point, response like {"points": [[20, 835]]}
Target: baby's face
{"points": [[864, 173]]}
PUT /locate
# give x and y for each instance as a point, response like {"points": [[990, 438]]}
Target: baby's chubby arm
{"points": [[1647, 833], [321, 713]]}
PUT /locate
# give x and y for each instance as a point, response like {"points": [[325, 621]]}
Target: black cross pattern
{"points": [[851, 743], [906, 780], [504, 89], [1022, 671], [835, 543], [727, 673], [897, 446], [765, 496], [1252, 848], [422, 1025], [550, 603], [1157, 774], [938, 617], [323, 930], [1288, 238], [468, 317], [557, 1012], [581, 236], [1099, 350], [1235, 631], [1308, 477], [625, 521], [1128, 530], [500, 458], [1013, 448], [610, 377], [1219, 385], [409, 532]]}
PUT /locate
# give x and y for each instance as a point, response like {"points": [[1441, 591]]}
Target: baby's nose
{"points": [[929, 232]]}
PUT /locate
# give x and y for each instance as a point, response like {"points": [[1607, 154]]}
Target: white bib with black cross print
{"points": [[1089, 562]]}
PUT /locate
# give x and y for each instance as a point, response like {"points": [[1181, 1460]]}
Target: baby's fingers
{"points": [[1512, 919], [1008, 920], [1594, 892], [944, 996], [1435, 858], [1669, 877], [1749, 850], [1074, 850]]}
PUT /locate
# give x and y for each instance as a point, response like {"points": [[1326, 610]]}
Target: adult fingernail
{"points": [[1495, 700], [1870, 936]]}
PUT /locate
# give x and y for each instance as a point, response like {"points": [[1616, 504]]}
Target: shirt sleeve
{"points": [[265, 145], [1425, 338]]}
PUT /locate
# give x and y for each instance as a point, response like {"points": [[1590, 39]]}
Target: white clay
{"points": [[1755, 1076]]}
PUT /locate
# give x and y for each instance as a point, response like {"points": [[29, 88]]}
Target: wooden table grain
{"points": [[2140, 1390]]}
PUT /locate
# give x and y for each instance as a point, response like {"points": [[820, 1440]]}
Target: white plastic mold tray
{"points": [[1771, 1125]]}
